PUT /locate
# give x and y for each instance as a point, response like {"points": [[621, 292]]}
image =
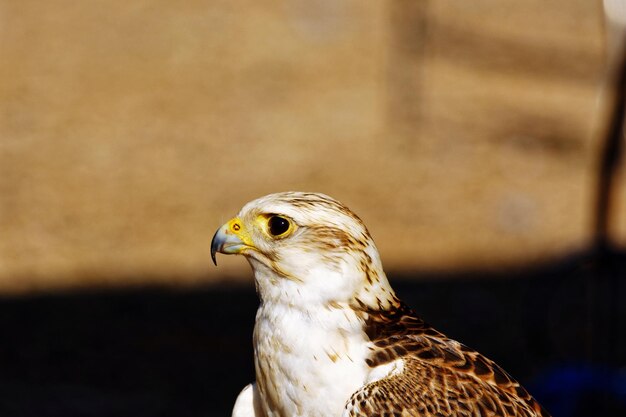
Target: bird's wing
{"points": [[437, 377], [423, 389]]}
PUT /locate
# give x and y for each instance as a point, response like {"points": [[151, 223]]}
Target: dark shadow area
{"points": [[558, 328]]}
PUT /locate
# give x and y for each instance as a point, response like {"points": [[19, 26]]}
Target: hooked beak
{"points": [[229, 239]]}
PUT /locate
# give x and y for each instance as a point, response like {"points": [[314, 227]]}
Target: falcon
{"points": [[331, 337]]}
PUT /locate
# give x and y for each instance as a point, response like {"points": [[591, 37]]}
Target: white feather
{"points": [[245, 405]]}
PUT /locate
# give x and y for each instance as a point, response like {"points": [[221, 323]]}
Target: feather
{"points": [[331, 338]]}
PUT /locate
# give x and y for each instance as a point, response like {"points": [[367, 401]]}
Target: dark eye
{"points": [[277, 225]]}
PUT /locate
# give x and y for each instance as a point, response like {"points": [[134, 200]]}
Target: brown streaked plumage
{"points": [[332, 339], [441, 377]]}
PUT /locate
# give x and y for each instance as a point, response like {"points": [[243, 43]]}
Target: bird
{"points": [[331, 338]]}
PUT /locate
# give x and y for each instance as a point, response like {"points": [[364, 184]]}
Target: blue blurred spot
{"points": [[579, 390]]}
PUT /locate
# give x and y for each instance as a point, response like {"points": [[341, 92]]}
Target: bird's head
{"points": [[306, 247]]}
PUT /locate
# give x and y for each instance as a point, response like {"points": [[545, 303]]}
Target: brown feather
{"points": [[440, 377]]}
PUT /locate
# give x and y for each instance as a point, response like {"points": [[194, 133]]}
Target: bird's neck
{"points": [[311, 333], [323, 288]]}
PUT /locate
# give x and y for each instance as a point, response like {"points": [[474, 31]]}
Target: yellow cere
{"points": [[235, 226]]}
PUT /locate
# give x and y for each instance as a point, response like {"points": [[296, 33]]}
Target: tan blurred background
{"points": [[465, 134]]}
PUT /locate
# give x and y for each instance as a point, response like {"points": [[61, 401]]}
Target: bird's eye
{"points": [[278, 225]]}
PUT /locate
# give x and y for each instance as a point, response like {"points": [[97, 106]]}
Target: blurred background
{"points": [[467, 135]]}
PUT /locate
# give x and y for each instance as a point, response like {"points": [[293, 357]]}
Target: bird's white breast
{"points": [[308, 362]]}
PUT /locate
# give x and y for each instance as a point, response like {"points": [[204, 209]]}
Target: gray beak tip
{"points": [[214, 248]]}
